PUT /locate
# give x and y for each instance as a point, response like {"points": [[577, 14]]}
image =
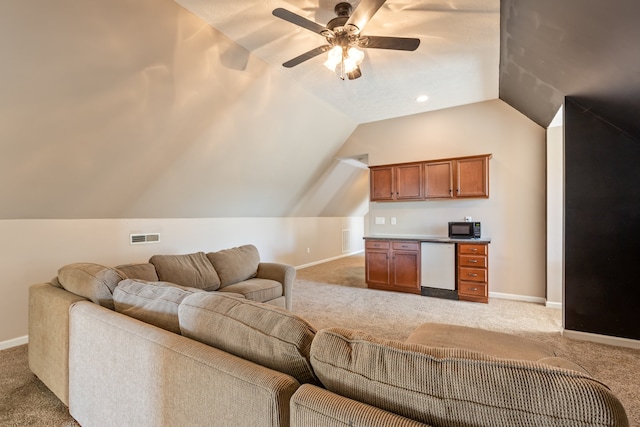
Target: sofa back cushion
{"points": [[144, 271], [236, 264], [92, 281], [261, 333], [444, 386], [191, 270], [155, 303]]}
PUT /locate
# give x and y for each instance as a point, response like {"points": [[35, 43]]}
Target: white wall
{"points": [[33, 250], [555, 212], [513, 216]]}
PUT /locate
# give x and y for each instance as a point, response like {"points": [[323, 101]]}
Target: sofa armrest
{"points": [[49, 336], [282, 273], [313, 406]]}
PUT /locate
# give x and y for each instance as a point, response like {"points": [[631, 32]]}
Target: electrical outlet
{"points": [[467, 219], [308, 250], [393, 220], [380, 220]]}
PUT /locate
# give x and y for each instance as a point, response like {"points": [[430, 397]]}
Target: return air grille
{"points": [[136, 239]]}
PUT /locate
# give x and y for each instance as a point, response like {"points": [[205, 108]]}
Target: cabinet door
{"points": [[408, 182], [382, 185], [406, 267], [472, 177], [377, 267], [438, 180]]}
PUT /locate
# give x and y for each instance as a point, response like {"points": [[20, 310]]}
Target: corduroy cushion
{"points": [[236, 264], [261, 333], [155, 303], [92, 281], [261, 290], [191, 270], [506, 346], [443, 386], [145, 271]]}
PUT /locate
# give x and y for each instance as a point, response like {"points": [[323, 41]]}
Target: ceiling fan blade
{"points": [[298, 20], [307, 55], [395, 43], [363, 13]]}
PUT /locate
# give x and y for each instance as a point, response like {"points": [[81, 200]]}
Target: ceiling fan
{"points": [[344, 37]]}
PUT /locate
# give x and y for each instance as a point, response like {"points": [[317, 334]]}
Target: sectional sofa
{"points": [[158, 353]]}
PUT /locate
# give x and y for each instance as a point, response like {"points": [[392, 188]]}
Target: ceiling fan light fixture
{"points": [[334, 57]]}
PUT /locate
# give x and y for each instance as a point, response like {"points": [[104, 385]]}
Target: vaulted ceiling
{"points": [[120, 109], [529, 53], [455, 64]]}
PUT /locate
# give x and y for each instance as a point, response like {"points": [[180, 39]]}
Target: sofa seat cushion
{"points": [[261, 290], [191, 270], [261, 333], [155, 303], [143, 271], [92, 281], [235, 264], [496, 344], [445, 386]]}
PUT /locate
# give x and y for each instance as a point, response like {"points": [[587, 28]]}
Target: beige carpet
{"points": [[334, 294], [394, 315]]}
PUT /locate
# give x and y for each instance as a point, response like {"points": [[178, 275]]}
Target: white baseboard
{"points": [[602, 339], [551, 304], [515, 297], [14, 342], [322, 261]]}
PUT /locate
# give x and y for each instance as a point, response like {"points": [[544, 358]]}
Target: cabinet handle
{"points": [[473, 260], [473, 275], [473, 289], [474, 249]]}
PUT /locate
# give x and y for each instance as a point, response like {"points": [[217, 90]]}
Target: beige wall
{"points": [[514, 215], [33, 250]]}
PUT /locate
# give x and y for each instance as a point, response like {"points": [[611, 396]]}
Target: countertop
{"points": [[423, 238]]}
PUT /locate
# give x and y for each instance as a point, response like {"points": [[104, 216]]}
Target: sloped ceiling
{"points": [[120, 109], [586, 49], [455, 64]]}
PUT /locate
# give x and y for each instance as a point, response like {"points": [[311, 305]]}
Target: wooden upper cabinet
{"points": [[409, 181], [382, 184], [398, 182], [460, 177], [472, 177], [438, 178]]}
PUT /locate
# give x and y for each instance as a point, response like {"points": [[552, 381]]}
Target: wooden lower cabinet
{"points": [[393, 265], [473, 272]]}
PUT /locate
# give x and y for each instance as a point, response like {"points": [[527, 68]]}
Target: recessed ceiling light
{"points": [[422, 98]]}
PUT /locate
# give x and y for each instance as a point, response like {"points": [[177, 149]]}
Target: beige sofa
{"points": [[246, 363]]}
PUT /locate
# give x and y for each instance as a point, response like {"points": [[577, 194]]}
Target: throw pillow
{"points": [[261, 333], [236, 264], [155, 303], [92, 281], [191, 270]]}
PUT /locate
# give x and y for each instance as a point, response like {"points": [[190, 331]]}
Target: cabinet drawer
{"points": [[378, 244], [474, 249], [472, 274], [471, 288], [472, 261], [406, 246]]}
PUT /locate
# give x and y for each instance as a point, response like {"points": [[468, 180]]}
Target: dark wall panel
{"points": [[602, 226]]}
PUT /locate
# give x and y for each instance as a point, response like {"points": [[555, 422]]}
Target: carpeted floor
{"points": [[335, 294]]}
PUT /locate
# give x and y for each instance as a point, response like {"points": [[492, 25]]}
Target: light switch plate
{"points": [[380, 220]]}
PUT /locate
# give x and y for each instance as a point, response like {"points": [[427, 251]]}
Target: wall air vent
{"points": [[137, 239]]}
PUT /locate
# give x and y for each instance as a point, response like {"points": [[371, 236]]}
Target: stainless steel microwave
{"points": [[464, 230]]}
